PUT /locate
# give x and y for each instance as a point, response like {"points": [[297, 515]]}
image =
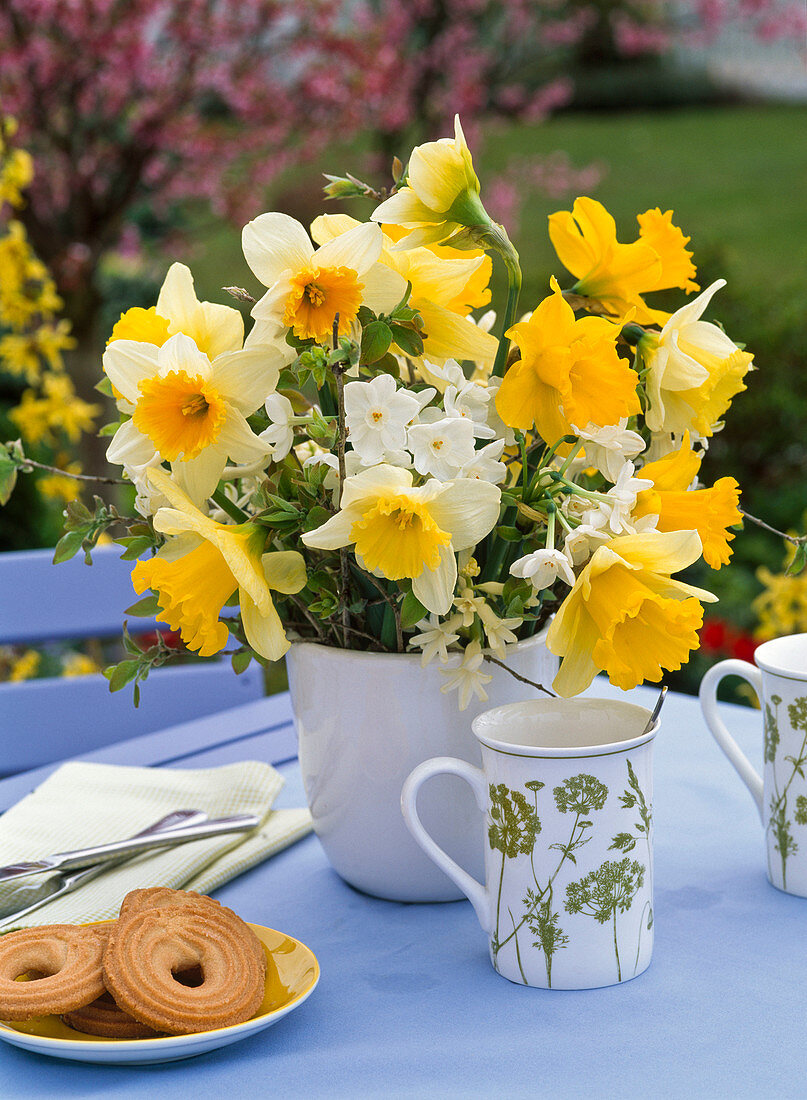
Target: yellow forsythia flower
{"points": [[782, 606], [25, 667]]}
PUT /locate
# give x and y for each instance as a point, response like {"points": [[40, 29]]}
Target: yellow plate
{"points": [[289, 982]]}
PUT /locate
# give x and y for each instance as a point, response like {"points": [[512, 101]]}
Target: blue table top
{"points": [[409, 1006]]}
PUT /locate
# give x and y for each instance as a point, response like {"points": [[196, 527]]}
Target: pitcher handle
{"points": [[441, 765], [708, 698]]}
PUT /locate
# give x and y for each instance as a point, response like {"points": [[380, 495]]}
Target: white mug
{"points": [[779, 678], [566, 786]]}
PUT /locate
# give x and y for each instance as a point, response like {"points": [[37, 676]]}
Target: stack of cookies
{"points": [[174, 962]]}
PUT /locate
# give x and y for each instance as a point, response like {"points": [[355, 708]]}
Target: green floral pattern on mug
{"points": [[602, 892], [780, 821]]}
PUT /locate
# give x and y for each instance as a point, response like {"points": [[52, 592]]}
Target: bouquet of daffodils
{"points": [[379, 467]]}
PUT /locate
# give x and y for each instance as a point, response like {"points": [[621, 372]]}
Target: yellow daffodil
{"points": [[216, 559], [693, 370], [618, 274], [403, 531], [626, 615], [187, 410], [213, 327], [308, 287], [446, 285], [568, 373], [441, 196], [710, 512]]}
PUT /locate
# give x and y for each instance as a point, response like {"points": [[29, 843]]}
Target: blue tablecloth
{"points": [[408, 1005]]}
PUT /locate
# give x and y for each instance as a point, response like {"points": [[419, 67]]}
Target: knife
{"points": [[101, 853], [66, 884]]}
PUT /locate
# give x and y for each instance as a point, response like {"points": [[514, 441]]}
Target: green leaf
{"points": [[108, 429], [121, 674], [409, 341], [68, 546], [315, 518], [510, 534], [241, 661], [134, 546], [146, 608], [376, 338], [412, 611], [104, 387], [8, 476]]}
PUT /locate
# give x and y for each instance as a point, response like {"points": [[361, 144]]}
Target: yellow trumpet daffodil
{"points": [[568, 373], [214, 560], [710, 512], [693, 369], [446, 285], [626, 615], [406, 531], [213, 327], [308, 287], [188, 410], [441, 195], [618, 274]]}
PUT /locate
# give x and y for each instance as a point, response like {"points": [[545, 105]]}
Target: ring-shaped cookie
{"points": [[103, 1017], [147, 949], [68, 956]]}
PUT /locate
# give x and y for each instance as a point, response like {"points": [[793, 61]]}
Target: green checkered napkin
{"points": [[85, 804]]}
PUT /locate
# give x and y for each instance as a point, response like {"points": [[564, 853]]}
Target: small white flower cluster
{"points": [[387, 423]]}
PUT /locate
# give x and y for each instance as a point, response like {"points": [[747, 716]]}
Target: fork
{"points": [[72, 880]]}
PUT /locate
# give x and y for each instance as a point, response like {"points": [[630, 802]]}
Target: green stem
{"points": [[616, 951], [510, 257], [226, 505]]}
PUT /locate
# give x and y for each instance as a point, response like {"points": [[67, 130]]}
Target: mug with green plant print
{"points": [[779, 677], [566, 786]]}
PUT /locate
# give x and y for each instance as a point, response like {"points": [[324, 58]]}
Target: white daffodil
{"points": [[499, 632], [280, 433], [543, 567], [435, 636], [443, 447], [485, 465], [189, 411], [693, 369], [470, 400], [468, 607], [412, 532], [377, 414], [609, 447], [613, 510], [213, 327], [441, 195], [580, 544], [467, 679], [308, 287]]}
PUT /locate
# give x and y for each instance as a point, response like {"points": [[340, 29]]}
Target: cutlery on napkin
{"points": [[153, 837], [66, 883], [82, 804]]}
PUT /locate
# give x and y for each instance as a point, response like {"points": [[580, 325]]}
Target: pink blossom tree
{"points": [[164, 100]]}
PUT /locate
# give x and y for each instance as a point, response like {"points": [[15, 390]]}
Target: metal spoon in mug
{"points": [[659, 703]]}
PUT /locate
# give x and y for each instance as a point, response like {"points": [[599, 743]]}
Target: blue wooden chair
{"points": [[48, 719]]}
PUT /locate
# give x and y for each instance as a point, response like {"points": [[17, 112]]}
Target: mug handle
{"points": [[708, 698], [442, 765]]}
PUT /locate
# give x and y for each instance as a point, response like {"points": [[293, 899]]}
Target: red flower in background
{"points": [[723, 639]]}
